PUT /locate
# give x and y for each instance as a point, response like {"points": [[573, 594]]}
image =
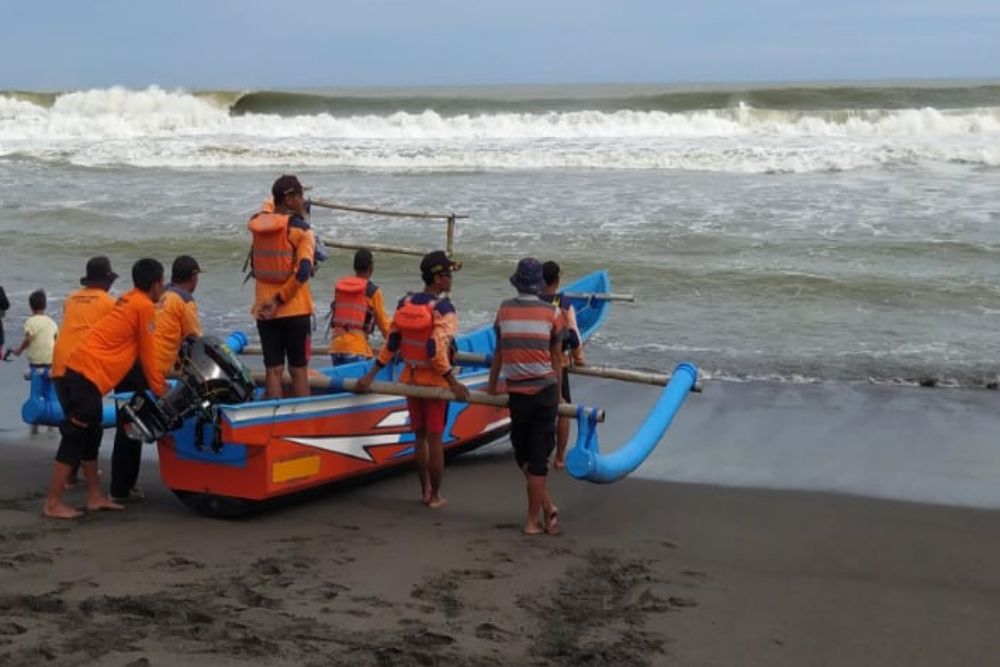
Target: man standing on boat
{"points": [[528, 353], [572, 349], [176, 319], [422, 331], [357, 308], [94, 367], [283, 252]]}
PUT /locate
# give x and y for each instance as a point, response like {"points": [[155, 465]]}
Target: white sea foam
{"points": [[158, 128]]}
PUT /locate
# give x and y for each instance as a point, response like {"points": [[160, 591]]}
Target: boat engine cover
{"points": [[210, 375]]}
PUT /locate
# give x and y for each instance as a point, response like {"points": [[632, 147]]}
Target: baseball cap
{"points": [[437, 261], [286, 185]]}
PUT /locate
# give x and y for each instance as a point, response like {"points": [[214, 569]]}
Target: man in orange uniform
{"points": [[176, 319], [422, 331], [283, 252], [177, 312], [357, 308], [528, 352], [572, 349], [93, 368], [81, 311]]}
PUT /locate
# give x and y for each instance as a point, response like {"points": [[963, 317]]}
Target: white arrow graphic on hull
{"points": [[353, 446]]}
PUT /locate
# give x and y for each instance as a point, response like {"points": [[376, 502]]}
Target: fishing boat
{"points": [[261, 450], [224, 450]]}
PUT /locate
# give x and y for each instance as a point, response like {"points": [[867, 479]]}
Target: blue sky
{"points": [[69, 44]]}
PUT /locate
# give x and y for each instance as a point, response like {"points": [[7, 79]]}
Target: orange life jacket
{"points": [[351, 311], [416, 332], [272, 255]]}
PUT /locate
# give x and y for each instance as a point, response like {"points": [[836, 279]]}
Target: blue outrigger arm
{"points": [[43, 408], [585, 460]]}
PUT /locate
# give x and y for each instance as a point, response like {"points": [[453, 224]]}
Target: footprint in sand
{"points": [[179, 563]]}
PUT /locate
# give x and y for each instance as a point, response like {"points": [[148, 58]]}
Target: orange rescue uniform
{"points": [[111, 348], [293, 294], [444, 328], [82, 310], [176, 319], [355, 341]]}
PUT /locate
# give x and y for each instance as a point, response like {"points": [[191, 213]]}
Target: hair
{"points": [[184, 269], [550, 272], [145, 273], [37, 300], [363, 260]]}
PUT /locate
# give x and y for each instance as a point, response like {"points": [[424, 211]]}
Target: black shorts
{"points": [[565, 385], [285, 336], [533, 429], [83, 411]]}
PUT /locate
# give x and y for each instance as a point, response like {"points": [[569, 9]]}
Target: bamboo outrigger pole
{"points": [[450, 217], [605, 372], [600, 296], [417, 391]]}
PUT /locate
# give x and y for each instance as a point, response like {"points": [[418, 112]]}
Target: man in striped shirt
{"points": [[528, 355]]}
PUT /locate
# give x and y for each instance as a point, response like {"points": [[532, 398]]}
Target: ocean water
{"points": [[794, 233]]}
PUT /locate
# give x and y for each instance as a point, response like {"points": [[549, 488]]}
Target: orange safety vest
{"points": [[272, 255], [351, 311], [416, 332]]}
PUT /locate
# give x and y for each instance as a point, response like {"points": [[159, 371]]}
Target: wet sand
{"points": [[645, 573]]}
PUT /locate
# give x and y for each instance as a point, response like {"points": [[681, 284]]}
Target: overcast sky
{"points": [[70, 44]]}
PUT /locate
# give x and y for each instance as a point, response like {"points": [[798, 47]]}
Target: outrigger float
{"points": [[225, 452]]}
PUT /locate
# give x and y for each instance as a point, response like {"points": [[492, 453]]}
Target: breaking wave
{"points": [[752, 131]]}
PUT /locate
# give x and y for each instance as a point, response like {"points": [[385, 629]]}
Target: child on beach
{"points": [[40, 332]]}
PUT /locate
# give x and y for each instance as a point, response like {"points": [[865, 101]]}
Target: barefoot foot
{"points": [[60, 510], [103, 504], [552, 521], [436, 502], [533, 528]]}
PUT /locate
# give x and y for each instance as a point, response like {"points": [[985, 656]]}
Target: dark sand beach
{"points": [[644, 573]]}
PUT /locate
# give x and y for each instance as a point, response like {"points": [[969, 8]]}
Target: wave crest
{"points": [[155, 127]]}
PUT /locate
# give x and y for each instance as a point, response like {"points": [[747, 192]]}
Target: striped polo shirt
{"points": [[526, 328]]}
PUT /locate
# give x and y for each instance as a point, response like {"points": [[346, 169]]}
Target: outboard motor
{"points": [[210, 375]]}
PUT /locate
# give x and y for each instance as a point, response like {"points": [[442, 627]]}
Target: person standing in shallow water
{"points": [[422, 332], [529, 337], [4, 307]]}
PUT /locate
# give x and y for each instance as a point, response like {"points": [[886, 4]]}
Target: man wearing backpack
{"points": [[422, 330], [282, 255]]}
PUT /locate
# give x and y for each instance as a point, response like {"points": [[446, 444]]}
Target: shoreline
{"points": [[645, 573]]}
